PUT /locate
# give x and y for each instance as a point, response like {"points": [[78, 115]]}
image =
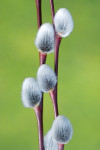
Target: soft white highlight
{"points": [[49, 142], [46, 78], [45, 38], [63, 22], [31, 93], [62, 130]]}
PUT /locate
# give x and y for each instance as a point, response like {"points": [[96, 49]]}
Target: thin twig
{"points": [[54, 101], [39, 115], [60, 146], [39, 14], [42, 59], [52, 10], [57, 45], [54, 95]]}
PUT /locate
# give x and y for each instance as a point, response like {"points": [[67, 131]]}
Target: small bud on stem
{"points": [[60, 146]]}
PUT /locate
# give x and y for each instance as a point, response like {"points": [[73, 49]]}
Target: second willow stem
{"points": [[60, 146], [52, 10], [42, 59], [39, 115], [57, 44], [53, 94]]}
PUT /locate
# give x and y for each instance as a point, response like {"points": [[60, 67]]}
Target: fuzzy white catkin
{"points": [[45, 38], [49, 142], [46, 78], [63, 22], [62, 130], [31, 93]]}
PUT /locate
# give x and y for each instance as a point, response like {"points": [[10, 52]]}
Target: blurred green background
{"points": [[79, 73]]}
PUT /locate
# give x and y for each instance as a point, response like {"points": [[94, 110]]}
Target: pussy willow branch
{"points": [[57, 44], [54, 94], [52, 10], [42, 59]]}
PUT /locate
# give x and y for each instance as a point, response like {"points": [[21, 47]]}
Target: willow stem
{"points": [[54, 97], [60, 146], [39, 115], [42, 59], [52, 10], [53, 94], [54, 101], [39, 14], [57, 45]]}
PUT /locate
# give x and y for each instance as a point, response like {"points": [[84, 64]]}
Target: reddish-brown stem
{"points": [[60, 146], [39, 115], [52, 10], [39, 14], [57, 44], [54, 97], [53, 93], [42, 58], [54, 101]]}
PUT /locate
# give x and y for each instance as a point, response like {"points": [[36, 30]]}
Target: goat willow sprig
{"points": [[48, 40], [63, 25]]}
